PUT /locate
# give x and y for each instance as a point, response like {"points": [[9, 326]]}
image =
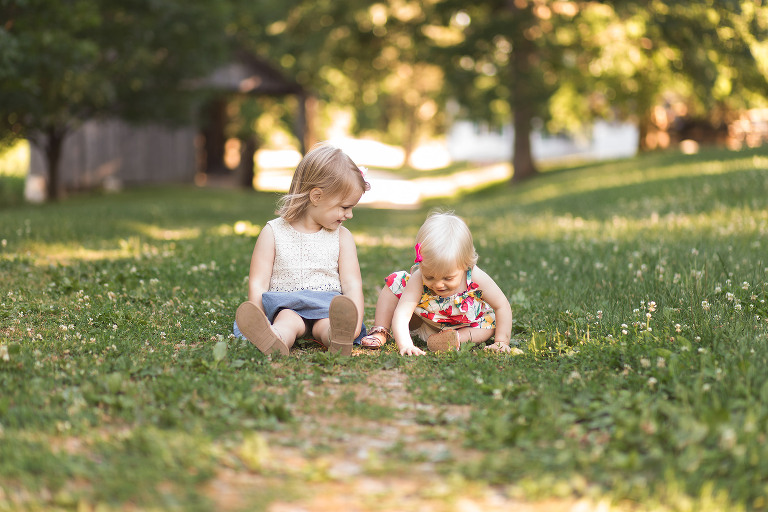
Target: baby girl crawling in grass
{"points": [[446, 300]]}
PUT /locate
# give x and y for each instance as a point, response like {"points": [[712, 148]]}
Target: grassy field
{"points": [[639, 293]]}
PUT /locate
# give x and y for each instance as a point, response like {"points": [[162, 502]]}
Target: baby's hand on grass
{"points": [[411, 350], [499, 347]]}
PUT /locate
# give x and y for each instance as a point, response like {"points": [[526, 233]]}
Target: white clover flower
{"points": [[706, 387], [730, 296], [695, 251], [697, 339], [645, 362], [745, 285], [652, 382], [718, 289], [4, 353], [728, 439], [652, 306], [705, 305], [661, 362], [737, 307], [599, 314], [574, 376], [678, 328]]}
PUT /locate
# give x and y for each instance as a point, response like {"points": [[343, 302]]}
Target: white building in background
{"points": [[472, 142]]}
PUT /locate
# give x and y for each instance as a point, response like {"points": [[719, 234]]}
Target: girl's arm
{"points": [[349, 274], [262, 260], [495, 298], [402, 316]]}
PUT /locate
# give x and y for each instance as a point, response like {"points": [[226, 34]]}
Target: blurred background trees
{"points": [[65, 62], [401, 70]]}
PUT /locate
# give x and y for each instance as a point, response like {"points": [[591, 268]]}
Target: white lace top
{"points": [[304, 261]]}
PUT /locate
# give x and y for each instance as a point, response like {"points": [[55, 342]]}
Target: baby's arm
{"points": [[349, 273], [495, 298], [262, 262], [402, 316]]}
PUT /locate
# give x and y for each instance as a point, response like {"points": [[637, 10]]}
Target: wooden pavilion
{"points": [[113, 153]]}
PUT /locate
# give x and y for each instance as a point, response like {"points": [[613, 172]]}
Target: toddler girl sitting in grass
{"points": [[305, 278], [447, 300]]}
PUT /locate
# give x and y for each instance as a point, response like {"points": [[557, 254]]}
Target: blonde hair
{"points": [[325, 167], [446, 242]]}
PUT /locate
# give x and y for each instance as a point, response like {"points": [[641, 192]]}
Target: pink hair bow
{"points": [[418, 253]]}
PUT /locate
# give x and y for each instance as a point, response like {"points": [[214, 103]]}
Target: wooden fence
{"points": [[113, 153]]}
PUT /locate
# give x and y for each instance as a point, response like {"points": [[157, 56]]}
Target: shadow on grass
{"points": [[639, 187]]}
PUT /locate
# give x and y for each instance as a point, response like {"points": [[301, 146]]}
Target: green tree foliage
{"points": [[710, 56], [711, 53], [569, 62], [367, 57], [64, 62]]}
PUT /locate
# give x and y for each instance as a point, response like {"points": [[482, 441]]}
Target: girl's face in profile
{"points": [[443, 282], [330, 211]]}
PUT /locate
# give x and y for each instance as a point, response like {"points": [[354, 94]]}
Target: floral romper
{"points": [[466, 309]]}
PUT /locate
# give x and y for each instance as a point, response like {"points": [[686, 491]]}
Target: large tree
{"points": [[64, 62], [504, 59], [569, 62]]}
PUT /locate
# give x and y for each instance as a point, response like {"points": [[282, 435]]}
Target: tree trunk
{"points": [[644, 125], [213, 131], [305, 122], [247, 164], [53, 143], [411, 131], [645, 100], [522, 157], [523, 96]]}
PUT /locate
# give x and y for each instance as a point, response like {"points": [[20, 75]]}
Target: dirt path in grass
{"points": [[342, 462]]}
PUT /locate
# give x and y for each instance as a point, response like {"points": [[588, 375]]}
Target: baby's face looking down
{"points": [[443, 282]]}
